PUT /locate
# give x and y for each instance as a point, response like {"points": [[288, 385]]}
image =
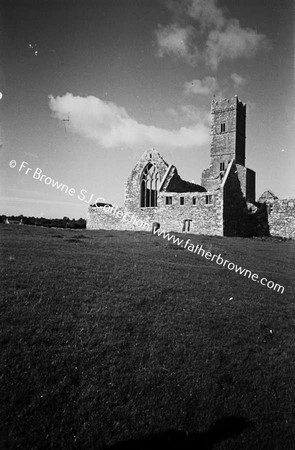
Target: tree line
{"points": [[65, 222]]}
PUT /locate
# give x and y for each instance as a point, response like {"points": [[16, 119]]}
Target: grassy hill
{"points": [[123, 339]]}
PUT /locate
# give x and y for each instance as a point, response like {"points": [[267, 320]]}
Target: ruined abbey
{"points": [[225, 202]]}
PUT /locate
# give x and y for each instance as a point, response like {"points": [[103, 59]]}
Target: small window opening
{"points": [[222, 167], [222, 128], [209, 199], [269, 208], [194, 200], [181, 201], [168, 200]]}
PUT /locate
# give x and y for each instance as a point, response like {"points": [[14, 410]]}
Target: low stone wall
{"points": [[119, 218], [98, 219], [281, 218], [203, 218]]}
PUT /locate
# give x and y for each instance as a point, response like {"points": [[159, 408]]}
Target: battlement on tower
{"points": [[225, 104]]}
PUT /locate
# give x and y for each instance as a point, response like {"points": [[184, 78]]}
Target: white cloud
{"points": [[191, 113], [172, 112], [213, 37], [238, 80], [176, 41], [206, 12], [111, 126], [232, 42], [206, 86]]}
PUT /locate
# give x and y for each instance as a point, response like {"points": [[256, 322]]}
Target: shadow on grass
{"points": [[221, 429], [76, 238], [72, 240]]}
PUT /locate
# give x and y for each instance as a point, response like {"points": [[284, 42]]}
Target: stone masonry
{"points": [[280, 215], [224, 204]]}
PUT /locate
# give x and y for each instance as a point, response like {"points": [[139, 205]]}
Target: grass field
{"points": [[124, 340]]}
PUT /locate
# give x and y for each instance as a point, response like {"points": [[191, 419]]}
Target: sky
{"points": [[88, 85]]}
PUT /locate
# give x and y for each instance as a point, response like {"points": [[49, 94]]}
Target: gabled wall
{"points": [[234, 204], [174, 183], [132, 187], [247, 178]]}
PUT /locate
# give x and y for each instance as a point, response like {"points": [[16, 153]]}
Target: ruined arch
{"points": [[149, 182]]}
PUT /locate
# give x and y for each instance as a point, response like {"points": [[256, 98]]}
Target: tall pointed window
{"points": [[149, 186]]}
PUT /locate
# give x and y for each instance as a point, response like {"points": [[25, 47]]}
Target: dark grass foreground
{"points": [[122, 340]]}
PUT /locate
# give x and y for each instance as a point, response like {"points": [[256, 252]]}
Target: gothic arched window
{"points": [[149, 186]]}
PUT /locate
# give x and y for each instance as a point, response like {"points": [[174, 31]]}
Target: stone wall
{"points": [[97, 219], [119, 218], [240, 133], [212, 176], [226, 215], [250, 185], [203, 218], [234, 205], [281, 218], [247, 182]]}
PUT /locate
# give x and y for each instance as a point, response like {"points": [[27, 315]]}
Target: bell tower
{"points": [[228, 130], [228, 139]]}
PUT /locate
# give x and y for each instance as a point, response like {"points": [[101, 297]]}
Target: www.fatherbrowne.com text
{"points": [[199, 250]]}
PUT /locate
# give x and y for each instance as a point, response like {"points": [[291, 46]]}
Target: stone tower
{"points": [[228, 129], [228, 142]]}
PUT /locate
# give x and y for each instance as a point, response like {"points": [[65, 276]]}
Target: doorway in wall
{"points": [[186, 225]]}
